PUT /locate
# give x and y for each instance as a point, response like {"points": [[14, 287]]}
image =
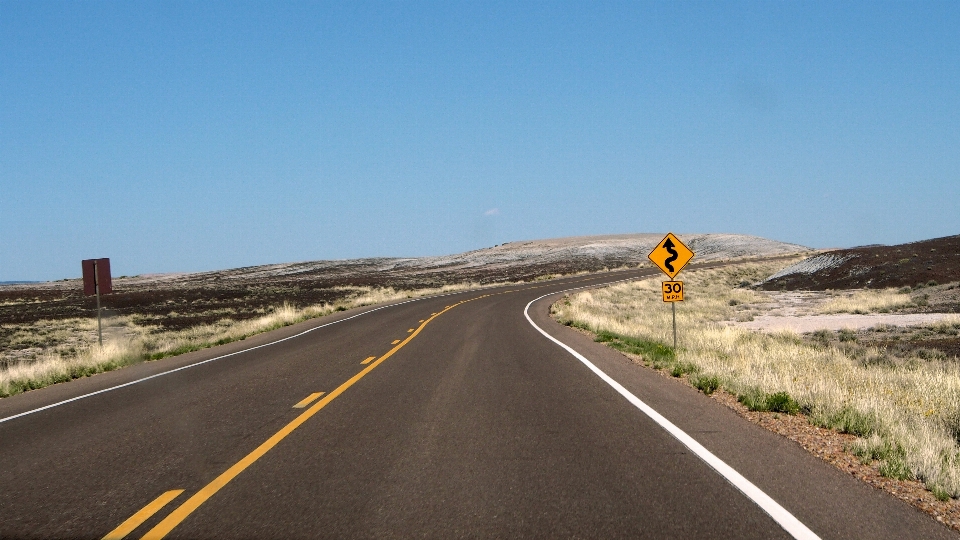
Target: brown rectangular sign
{"points": [[96, 272]]}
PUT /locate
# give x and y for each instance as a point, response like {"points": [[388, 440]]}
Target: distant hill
{"points": [[506, 262], [188, 299], [514, 260], [874, 267]]}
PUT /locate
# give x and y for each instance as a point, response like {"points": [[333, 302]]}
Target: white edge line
{"points": [[117, 387], [155, 375], [779, 514]]}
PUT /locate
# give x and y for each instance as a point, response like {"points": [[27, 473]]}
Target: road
{"points": [[442, 417]]}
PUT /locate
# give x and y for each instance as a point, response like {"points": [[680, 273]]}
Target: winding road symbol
{"points": [[670, 255], [668, 262]]}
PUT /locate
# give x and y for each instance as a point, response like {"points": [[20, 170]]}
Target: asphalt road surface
{"points": [[443, 417]]}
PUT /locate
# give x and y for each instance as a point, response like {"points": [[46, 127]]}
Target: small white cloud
{"points": [[492, 212]]}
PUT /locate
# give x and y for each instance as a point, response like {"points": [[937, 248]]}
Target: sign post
{"points": [[96, 280], [673, 293], [671, 256]]}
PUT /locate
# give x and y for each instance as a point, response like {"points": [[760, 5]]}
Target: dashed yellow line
{"points": [[144, 514], [307, 400], [190, 505]]}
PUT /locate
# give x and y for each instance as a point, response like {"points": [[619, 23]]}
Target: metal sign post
{"points": [[673, 293], [96, 280], [671, 256], [99, 311]]}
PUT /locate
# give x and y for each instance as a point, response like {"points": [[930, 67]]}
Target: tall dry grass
{"points": [[907, 415], [67, 349]]}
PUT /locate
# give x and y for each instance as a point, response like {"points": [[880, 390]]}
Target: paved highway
{"points": [[442, 417]]}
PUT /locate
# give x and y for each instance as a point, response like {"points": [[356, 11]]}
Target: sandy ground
{"points": [[811, 323], [797, 311]]}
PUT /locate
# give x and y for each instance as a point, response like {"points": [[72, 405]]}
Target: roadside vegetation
{"points": [[47, 351], [905, 410], [51, 351]]}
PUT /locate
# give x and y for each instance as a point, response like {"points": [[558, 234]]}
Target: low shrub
{"points": [[756, 400], [706, 384], [655, 353]]}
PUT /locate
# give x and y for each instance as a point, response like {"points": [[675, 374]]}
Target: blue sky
{"points": [[198, 135]]}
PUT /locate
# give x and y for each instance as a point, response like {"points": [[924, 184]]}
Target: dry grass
{"points": [[47, 352], [906, 415], [868, 301]]}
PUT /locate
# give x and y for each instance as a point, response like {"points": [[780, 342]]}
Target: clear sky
{"points": [[191, 136]]}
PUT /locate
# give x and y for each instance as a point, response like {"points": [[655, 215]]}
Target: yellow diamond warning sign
{"points": [[672, 291], [670, 255]]}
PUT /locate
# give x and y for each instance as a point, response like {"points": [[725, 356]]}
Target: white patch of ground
{"points": [[812, 323], [628, 247], [812, 265], [798, 311]]}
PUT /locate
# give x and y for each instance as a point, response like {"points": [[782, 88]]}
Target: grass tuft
{"points": [[652, 352], [707, 384], [757, 400]]}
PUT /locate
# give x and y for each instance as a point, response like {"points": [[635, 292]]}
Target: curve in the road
{"points": [[470, 429], [779, 514], [207, 361]]}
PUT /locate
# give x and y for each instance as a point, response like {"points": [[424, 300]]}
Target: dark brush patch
{"points": [[197, 299], [922, 264]]}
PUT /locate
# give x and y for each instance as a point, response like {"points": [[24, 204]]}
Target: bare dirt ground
{"points": [[800, 311], [812, 323], [833, 447], [911, 331]]}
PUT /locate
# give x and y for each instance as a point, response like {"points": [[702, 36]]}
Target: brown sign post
{"points": [[96, 280]]}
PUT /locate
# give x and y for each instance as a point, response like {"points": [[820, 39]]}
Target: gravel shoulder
{"points": [[830, 446]]}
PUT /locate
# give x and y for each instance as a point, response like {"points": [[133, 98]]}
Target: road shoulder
{"points": [[831, 502]]}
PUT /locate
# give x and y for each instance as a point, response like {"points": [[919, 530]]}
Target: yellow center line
{"points": [[394, 342], [144, 514], [177, 516], [307, 400], [410, 330]]}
